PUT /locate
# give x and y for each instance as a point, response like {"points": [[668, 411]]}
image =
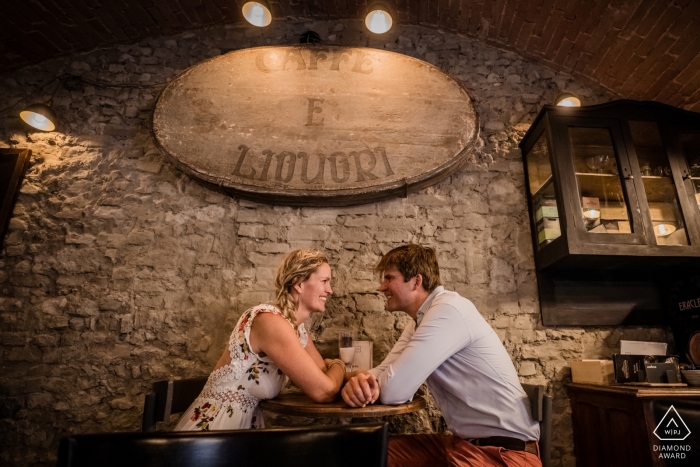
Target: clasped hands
{"points": [[360, 390]]}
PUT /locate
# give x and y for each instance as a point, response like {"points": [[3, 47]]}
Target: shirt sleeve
{"points": [[442, 332], [396, 350]]}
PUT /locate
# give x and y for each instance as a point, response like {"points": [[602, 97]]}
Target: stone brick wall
{"points": [[118, 270]]}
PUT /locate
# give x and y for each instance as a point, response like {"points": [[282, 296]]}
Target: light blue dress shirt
{"points": [[468, 371]]}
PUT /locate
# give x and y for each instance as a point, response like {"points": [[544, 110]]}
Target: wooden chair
{"points": [[541, 405], [340, 446], [169, 397]]}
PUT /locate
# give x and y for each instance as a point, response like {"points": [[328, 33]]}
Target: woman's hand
{"points": [[360, 390]]}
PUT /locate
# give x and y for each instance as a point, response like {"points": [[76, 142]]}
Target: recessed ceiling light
{"points": [[378, 20], [257, 13]]}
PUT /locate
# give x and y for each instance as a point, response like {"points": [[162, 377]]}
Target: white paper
{"points": [[363, 355], [642, 348]]}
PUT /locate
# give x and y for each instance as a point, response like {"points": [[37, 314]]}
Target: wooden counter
{"points": [[614, 425], [641, 392]]}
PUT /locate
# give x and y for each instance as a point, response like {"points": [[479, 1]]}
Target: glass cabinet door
{"points": [[690, 144], [604, 206], [659, 187], [542, 190]]}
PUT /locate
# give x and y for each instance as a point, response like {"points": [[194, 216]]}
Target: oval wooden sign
{"points": [[315, 125]]}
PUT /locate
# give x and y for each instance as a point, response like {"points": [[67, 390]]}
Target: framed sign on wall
{"points": [[315, 125], [13, 165]]}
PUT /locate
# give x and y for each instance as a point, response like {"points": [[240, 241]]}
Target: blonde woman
{"points": [[269, 344]]}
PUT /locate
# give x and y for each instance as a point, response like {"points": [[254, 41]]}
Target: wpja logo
{"points": [[672, 428]]}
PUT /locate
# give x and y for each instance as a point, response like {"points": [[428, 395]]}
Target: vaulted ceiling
{"points": [[639, 49]]}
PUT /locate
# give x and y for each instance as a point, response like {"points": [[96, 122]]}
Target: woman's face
{"points": [[314, 291]]}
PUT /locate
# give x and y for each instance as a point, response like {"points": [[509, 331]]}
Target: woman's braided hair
{"points": [[296, 267]]}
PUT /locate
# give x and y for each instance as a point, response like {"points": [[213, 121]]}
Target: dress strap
{"points": [[249, 323]]}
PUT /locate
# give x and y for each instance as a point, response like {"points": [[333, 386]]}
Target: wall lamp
{"points": [[41, 116], [568, 100], [257, 13], [378, 20]]}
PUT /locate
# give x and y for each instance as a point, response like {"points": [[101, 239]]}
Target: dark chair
{"points": [[339, 446], [541, 405], [169, 397]]}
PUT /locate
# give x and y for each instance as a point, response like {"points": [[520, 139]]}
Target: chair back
{"points": [[341, 446], [541, 408], [169, 397]]}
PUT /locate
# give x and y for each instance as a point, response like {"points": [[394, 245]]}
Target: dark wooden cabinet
{"points": [[614, 200], [614, 425]]}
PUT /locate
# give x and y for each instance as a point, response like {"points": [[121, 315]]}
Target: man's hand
{"points": [[360, 390]]}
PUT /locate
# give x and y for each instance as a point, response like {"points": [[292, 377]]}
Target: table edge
{"points": [[418, 403]]}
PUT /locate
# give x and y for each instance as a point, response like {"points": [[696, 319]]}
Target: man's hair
{"points": [[412, 260]]}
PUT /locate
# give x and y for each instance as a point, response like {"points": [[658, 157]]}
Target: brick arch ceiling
{"points": [[639, 49]]}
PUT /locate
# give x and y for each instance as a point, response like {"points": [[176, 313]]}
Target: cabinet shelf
{"points": [[546, 186], [609, 249], [593, 174]]}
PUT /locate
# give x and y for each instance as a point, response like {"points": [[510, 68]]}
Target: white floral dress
{"points": [[230, 399]]}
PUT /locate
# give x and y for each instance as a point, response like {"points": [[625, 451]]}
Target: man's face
{"points": [[398, 293]]}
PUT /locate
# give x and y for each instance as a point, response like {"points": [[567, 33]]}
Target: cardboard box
{"points": [[547, 230], [592, 371], [546, 211], [547, 223], [590, 203], [363, 355], [547, 201], [548, 234], [643, 348]]}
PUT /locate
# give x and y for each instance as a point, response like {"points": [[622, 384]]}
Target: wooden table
{"points": [[300, 405], [614, 424]]}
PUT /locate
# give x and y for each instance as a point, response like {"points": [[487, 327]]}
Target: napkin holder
{"points": [[363, 355]]}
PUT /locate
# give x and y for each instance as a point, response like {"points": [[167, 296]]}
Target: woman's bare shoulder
{"points": [[271, 321]]}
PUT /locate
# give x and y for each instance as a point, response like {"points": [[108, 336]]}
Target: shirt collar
{"points": [[426, 304]]}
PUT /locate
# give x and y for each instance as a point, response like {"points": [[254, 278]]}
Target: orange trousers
{"points": [[438, 450]]}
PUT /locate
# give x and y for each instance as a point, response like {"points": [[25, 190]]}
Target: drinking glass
{"points": [[598, 163], [347, 348]]}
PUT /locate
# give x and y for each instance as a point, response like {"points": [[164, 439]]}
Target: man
{"points": [[468, 371]]}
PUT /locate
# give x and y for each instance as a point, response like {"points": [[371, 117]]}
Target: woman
{"points": [[269, 344]]}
